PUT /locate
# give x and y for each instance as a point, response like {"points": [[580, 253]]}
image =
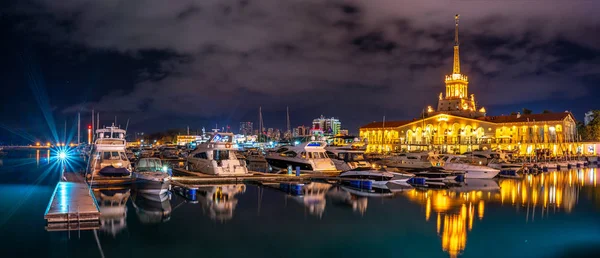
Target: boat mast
{"points": [[260, 124], [93, 133], [78, 127], [382, 133], [288, 132]]}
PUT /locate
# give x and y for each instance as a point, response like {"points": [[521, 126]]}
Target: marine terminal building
{"points": [[458, 126]]}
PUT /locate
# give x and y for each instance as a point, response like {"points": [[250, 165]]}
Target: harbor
{"points": [[447, 220], [300, 129]]}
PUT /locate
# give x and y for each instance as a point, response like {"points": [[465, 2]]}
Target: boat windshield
{"points": [[113, 155], [145, 165]]}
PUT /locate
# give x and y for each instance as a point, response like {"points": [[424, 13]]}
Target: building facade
{"points": [[458, 126], [326, 126], [246, 128]]}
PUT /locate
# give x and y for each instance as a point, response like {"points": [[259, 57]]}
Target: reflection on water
{"points": [[152, 208], [219, 200], [480, 218], [456, 208], [113, 209], [339, 196]]}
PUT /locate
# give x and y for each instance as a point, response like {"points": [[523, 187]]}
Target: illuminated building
{"points": [[326, 126], [187, 139], [458, 125], [246, 128], [301, 131]]}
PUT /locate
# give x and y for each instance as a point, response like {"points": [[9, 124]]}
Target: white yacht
{"points": [[151, 176], [217, 156], [457, 163], [411, 161], [108, 158], [347, 158], [309, 156]]}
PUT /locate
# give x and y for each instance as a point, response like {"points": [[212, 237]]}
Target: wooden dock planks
{"points": [[71, 202]]}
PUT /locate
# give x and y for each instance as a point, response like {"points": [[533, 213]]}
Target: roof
{"points": [[559, 116], [387, 124]]}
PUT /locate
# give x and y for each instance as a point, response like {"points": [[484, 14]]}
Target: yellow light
{"points": [[37, 144]]}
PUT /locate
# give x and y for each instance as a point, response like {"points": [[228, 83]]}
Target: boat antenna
{"points": [[127, 125], [382, 132]]}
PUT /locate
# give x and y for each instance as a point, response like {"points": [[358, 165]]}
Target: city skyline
{"points": [[374, 59]]}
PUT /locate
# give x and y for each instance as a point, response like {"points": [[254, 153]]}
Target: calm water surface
{"points": [[556, 214]]}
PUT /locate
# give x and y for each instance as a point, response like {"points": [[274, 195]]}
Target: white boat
{"points": [[151, 176], [152, 209], [485, 185], [309, 157], [378, 177], [220, 201], [347, 158], [169, 152], [147, 152], [456, 163], [108, 158], [414, 161], [217, 156], [548, 165], [504, 164]]}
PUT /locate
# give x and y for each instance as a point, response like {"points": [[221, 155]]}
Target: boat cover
{"points": [[113, 171]]}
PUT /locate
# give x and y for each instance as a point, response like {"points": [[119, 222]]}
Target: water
{"points": [[552, 215]]}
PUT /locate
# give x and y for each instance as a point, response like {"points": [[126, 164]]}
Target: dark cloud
{"points": [[330, 56]]}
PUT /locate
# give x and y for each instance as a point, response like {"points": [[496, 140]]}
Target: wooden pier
{"points": [[72, 206]]}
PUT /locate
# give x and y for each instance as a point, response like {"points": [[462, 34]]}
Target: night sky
{"points": [[173, 64]]}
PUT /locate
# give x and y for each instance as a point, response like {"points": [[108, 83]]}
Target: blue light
{"points": [[296, 142], [62, 155], [314, 144], [270, 143]]}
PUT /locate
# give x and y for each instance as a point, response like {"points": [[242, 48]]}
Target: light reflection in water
{"points": [[455, 207]]}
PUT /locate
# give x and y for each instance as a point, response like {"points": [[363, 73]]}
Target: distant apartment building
{"points": [[326, 126], [246, 128], [301, 131]]}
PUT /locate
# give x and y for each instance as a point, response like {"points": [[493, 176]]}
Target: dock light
{"points": [[62, 155], [270, 143], [165, 169]]}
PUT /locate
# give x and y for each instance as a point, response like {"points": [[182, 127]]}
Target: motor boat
{"points": [[147, 152], [254, 156], [414, 161], [436, 175], [378, 177], [309, 157], [108, 158], [169, 152], [217, 156], [504, 164], [458, 163], [347, 158], [151, 176]]}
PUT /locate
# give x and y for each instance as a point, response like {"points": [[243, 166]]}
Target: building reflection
{"points": [[113, 209], [219, 200], [457, 208]]}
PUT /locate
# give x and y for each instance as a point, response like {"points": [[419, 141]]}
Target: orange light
{"points": [[37, 144]]}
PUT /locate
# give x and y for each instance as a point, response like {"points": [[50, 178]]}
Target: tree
{"points": [[591, 131], [546, 111], [513, 113], [527, 111]]}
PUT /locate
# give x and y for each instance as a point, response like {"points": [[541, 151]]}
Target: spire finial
{"points": [[456, 66]]}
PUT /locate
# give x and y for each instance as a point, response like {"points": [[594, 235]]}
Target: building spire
{"points": [[456, 66]]}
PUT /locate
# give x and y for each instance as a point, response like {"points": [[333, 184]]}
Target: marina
{"points": [[345, 145], [448, 220]]}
